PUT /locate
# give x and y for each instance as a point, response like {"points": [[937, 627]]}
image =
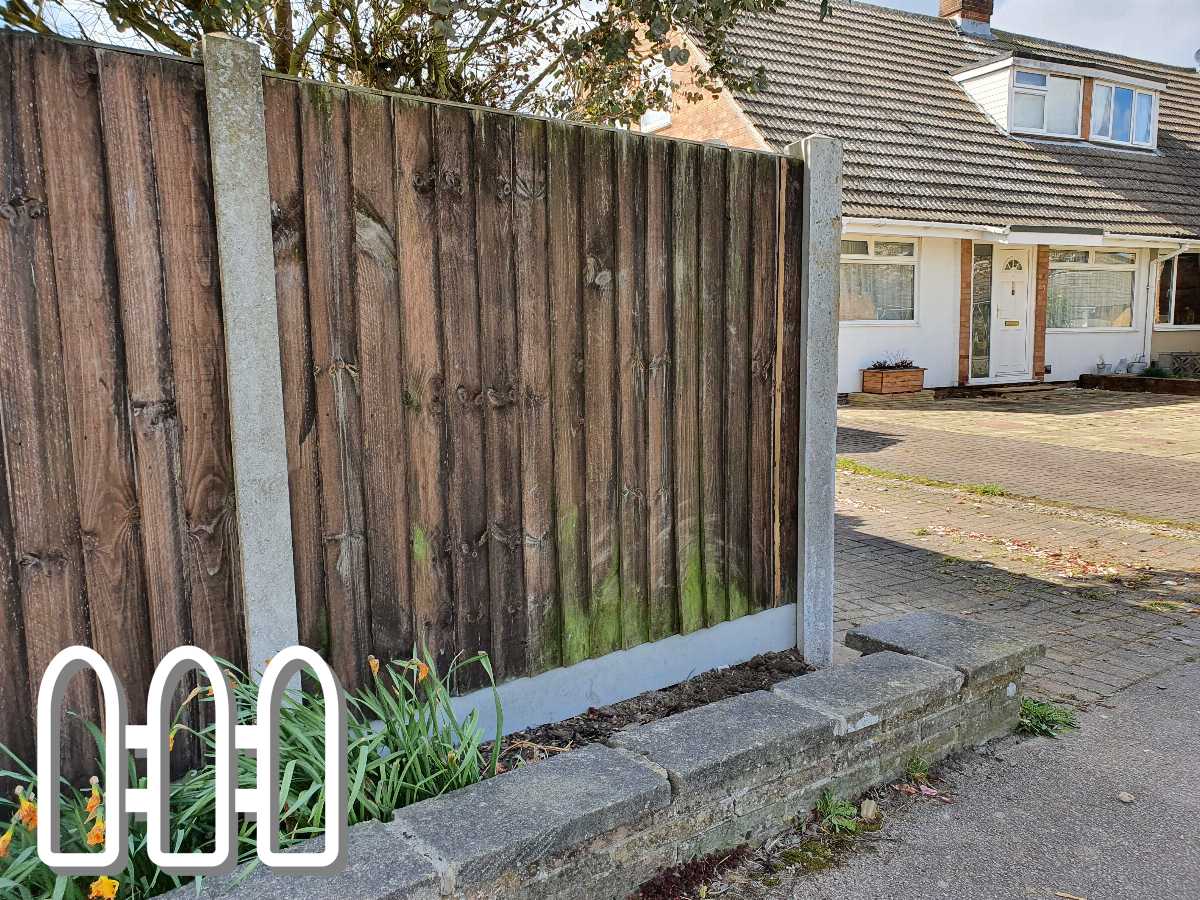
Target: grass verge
{"points": [[852, 467]]}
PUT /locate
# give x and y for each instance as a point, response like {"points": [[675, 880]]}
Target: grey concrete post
{"points": [[238, 148], [818, 402]]}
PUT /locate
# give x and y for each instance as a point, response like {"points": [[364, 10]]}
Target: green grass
{"points": [[1045, 719], [857, 468], [836, 815], [917, 769]]}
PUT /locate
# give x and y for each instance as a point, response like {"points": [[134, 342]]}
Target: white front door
{"points": [[1012, 315]]}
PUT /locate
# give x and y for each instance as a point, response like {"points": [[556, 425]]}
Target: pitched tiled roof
{"points": [[918, 148]]}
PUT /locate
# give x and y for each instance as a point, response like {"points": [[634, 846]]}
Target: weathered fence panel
{"points": [[535, 376], [117, 526], [584, 323]]}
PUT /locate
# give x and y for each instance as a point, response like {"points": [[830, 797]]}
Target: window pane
{"points": [[1090, 298], [981, 311], [1062, 106], [1102, 111], [1143, 119], [895, 248], [877, 292], [1029, 111], [1031, 78], [854, 248], [1115, 258], [1122, 129], [1166, 278], [1068, 256], [1187, 290]]}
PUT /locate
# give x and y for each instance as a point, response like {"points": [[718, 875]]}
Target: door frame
{"points": [[1030, 317]]}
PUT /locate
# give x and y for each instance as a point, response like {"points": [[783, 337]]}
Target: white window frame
{"points": [[1132, 142], [1092, 266], [871, 259], [1170, 326], [1014, 89]]}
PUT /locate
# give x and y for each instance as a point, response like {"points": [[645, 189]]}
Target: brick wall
{"points": [[1039, 313], [979, 10], [718, 118]]}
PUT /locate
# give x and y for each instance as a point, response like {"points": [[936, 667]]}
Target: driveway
{"points": [[1134, 453], [1042, 818]]}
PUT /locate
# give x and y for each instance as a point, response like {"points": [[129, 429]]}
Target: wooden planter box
{"points": [[892, 381]]}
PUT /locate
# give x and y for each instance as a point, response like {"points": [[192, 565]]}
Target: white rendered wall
{"points": [[1073, 353], [931, 341]]}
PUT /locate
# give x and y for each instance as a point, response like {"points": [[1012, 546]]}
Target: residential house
{"points": [[1015, 209]]}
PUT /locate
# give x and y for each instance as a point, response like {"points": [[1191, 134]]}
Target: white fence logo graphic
{"points": [[260, 739]]}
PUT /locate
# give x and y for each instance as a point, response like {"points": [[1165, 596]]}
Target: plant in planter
{"points": [[895, 375]]}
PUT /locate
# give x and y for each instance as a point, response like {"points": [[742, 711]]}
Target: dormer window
{"points": [[1043, 99], [1046, 104], [1123, 115]]}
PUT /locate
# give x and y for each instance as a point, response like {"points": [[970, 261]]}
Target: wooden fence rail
{"points": [[535, 376]]}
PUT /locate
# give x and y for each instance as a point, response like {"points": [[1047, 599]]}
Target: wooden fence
{"points": [[535, 376]]}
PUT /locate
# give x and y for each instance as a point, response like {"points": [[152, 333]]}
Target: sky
{"points": [[1163, 30]]}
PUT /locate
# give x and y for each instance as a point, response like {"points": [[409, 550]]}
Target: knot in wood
{"points": [[500, 399], [424, 182], [452, 182], [504, 188]]}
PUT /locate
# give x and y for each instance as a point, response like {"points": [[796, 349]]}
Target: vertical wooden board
{"points": [[737, 393], [187, 236], [157, 460], [710, 423], [689, 553], [660, 427], [424, 381], [789, 391], [501, 389], [329, 244], [281, 99], [17, 725], [598, 262], [457, 278], [542, 611], [631, 382], [41, 497], [94, 364], [380, 377], [16, 690], [567, 372], [763, 308]]}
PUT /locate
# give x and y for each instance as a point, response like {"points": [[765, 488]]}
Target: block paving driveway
{"points": [[1108, 576]]}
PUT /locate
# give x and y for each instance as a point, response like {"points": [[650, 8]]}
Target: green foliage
{"points": [[1039, 717], [1156, 371], [598, 62], [404, 744], [836, 815], [917, 769]]}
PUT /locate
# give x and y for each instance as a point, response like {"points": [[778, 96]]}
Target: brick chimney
{"points": [[971, 16]]}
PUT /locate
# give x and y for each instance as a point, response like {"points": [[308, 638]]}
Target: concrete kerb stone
{"points": [[708, 745], [482, 831], [870, 689], [596, 822], [382, 864], [979, 652]]}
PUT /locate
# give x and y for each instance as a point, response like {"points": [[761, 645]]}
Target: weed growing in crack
{"points": [[836, 815], [1045, 719]]}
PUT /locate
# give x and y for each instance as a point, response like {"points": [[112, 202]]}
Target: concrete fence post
{"points": [[238, 149], [821, 252]]}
